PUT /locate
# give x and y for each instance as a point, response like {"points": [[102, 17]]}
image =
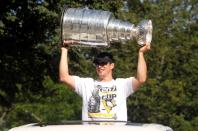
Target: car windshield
{"points": [[87, 123]]}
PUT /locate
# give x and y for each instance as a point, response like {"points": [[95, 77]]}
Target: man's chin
{"points": [[101, 76]]}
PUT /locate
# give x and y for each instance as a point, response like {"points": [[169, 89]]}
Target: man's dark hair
{"points": [[103, 58]]}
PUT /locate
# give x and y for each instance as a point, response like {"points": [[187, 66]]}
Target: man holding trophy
{"points": [[104, 99]]}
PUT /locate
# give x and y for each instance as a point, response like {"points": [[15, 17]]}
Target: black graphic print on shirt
{"points": [[102, 102]]}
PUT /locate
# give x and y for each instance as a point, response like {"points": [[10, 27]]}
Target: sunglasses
{"points": [[102, 63]]}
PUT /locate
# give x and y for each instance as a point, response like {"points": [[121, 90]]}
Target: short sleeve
{"points": [[82, 85], [129, 86], [126, 85]]}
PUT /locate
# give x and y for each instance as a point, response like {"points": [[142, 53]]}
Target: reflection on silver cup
{"points": [[88, 27]]}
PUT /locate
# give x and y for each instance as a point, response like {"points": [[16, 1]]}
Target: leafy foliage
{"points": [[29, 57]]}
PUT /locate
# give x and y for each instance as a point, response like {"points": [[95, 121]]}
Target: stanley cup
{"points": [[96, 28]]}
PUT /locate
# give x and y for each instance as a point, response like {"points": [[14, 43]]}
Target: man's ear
{"points": [[112, 65]]}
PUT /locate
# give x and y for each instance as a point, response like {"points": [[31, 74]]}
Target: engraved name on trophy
{"points": [[88, 27]]}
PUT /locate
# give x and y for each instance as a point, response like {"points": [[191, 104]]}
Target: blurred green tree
{"points": [[29, 56]]}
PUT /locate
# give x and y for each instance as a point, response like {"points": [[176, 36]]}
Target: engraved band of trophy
{"points": [[97, 28]]}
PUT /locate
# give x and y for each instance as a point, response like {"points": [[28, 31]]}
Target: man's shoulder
{"points": [[83, 78], [122, 79]]}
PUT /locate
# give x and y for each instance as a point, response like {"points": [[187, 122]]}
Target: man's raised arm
{"points": [[64, 75], [141, 68]]}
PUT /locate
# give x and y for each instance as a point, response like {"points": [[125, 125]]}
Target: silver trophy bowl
{"points": [[96, 28]]}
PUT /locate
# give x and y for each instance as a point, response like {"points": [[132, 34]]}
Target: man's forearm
{"points": [[63, 67], [142, 68]]}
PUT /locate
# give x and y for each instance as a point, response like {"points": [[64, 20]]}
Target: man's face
{"points": [[104, 70]]}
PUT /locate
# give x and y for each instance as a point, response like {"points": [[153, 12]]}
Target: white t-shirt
{"points": [[104, 100]]}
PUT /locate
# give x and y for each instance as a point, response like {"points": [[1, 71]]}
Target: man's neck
{"points": [[106, 79]]}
